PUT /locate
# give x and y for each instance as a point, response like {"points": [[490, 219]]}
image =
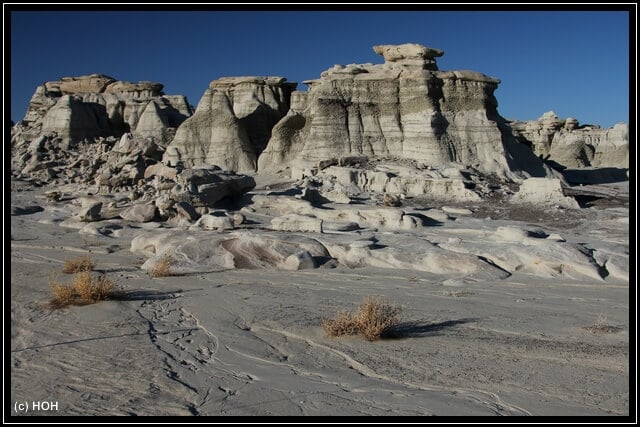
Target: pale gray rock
{"points": [[299, 261], [161, 170], [238, 219], [295, 222], [207, 185], [397, 179], [214, 222], [90, 211], [140, 213], [405, 109], [570, 145], [86, 107], [232, 123], [410, 54], [204, 251], [73, 119], [544, 192]]}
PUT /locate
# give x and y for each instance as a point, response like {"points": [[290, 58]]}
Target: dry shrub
{"points": [[162, 267], [343, 324], [85, 288], [374, 317], [601, 327], [62, 294], [76, 265], [92, 289]]}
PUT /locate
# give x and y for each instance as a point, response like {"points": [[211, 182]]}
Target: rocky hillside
{"points": [[74, 109], [232, 123], [401, 127], [571, 145], [406, 109]]}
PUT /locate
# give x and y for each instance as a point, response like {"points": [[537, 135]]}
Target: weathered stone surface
{"points": [[295, 222], [299, 261], [570, 145], [214, 222], [205, 251], [405, 109], [140, 89], [544, 191], [94, 83], [73, 120], [207, 185], [160, 170], [187, 211], [409, 54], [397, 179], [90, 211], [86, 107], [232, 123], [140, 213]]}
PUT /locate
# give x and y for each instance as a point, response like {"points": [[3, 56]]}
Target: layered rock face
{"points": [[405, 108], [232, 123], [567, 143], [77, 108]]}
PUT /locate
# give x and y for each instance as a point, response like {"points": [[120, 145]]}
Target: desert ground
{"points": [[543, 339]]}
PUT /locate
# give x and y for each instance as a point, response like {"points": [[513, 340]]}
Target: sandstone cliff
{"points": [[232, 123], [571, 145], [405, 108]]}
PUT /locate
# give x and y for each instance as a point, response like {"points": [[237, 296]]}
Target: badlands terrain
{"points": [[505, 243]]}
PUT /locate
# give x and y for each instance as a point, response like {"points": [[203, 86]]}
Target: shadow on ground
{"points": [[415, 329]]}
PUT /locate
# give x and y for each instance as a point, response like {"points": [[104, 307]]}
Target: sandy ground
{"points": [[249, 342]]}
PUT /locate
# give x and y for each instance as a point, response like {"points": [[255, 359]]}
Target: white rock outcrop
{"points": [[77, 108], [232, 124], [405, 108], [545, 192], [567, 143]]}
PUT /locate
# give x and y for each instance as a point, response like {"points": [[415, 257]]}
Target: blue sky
{"points": [[574, 63]]}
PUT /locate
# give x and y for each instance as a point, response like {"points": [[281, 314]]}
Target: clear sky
{"points": [[574, 63]]}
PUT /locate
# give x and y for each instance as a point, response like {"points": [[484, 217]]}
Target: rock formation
{"points": [[406, 109], [573, 146], [74, 109], [232, 123]]}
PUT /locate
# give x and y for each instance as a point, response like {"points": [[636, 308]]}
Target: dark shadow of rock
{"points": [[425, 221], [595, 175], [27, 210], [144, 295]]}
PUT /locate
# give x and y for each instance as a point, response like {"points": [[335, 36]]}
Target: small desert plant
{"points": [[61, 294], [343, 324], [162, 267], [601, 327], [76, 265], [374, 317], [84, 288]]}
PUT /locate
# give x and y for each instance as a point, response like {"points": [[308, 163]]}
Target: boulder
{"points": [[207, 185], [90, 211], [545, 192], [214, 222], [140, 213]]}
